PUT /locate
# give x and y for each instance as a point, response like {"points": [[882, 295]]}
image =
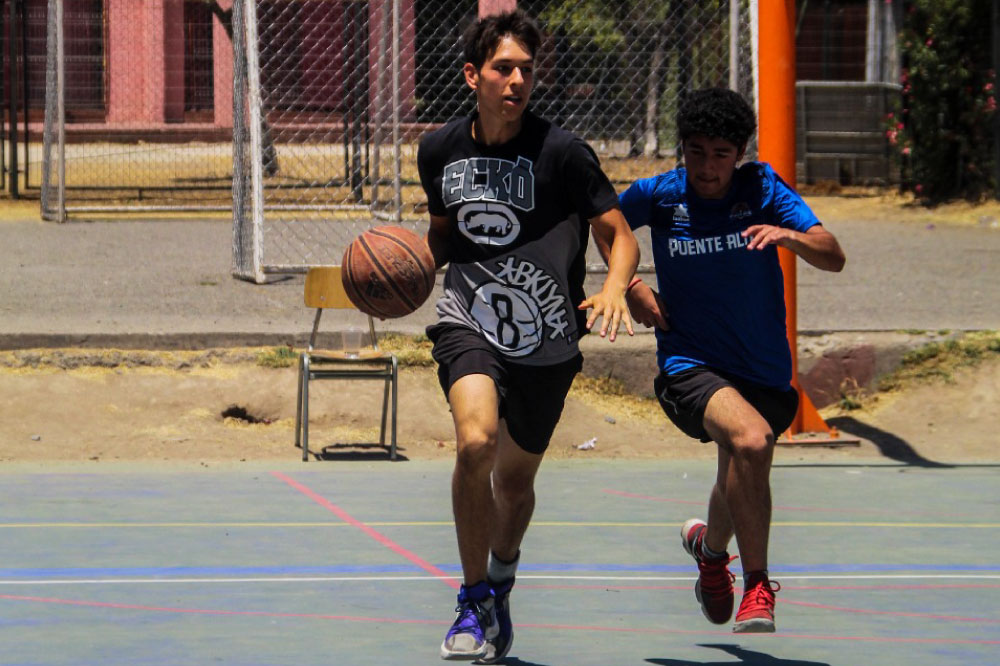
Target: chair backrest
{"points": [[324, 289]]}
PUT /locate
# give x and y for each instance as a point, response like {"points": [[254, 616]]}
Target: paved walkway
{"points": [[170, 281]]}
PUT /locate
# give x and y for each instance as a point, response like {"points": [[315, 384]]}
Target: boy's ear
{"points": [[471, 75]]}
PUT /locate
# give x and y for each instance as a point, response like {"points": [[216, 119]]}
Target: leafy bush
{"points": [[943, 130]]}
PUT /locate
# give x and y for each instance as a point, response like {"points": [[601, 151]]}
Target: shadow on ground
{"points": [[346, 452], [890, 445], [747, 657]]}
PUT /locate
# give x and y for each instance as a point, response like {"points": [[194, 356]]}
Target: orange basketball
{"points": [[388, 272]]}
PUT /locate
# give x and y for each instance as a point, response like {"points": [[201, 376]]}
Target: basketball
{"points": [[388, 272]]}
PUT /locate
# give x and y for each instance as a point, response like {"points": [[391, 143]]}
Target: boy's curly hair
{"points": [[483, 37], [716, 113]]}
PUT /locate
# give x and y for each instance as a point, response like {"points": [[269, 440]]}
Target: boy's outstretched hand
{"points": [[610, 305], [816, 245], [762, 235], [646, 306]]}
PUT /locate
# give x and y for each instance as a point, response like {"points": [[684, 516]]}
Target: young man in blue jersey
{"points": [[722, 350]]}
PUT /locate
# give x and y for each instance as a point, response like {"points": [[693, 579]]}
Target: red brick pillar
{"points": [[407, 54], [145, 51], [222, 57], [172, 23], [487, 7]]}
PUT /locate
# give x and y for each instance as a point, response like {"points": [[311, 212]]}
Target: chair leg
{"points": [[305, 411], [298, 406], [395, 384], [385, 410]]}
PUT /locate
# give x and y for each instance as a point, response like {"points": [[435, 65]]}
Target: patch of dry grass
{"points": [[609, 396], [934, 362]]}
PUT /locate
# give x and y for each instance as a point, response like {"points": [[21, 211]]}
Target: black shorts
{"points": [[531, 397], [685, 395]]}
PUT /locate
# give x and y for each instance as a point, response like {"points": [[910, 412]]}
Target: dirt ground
{"points": [[221, 405]]}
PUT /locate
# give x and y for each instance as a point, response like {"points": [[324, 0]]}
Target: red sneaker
{"points": [[756, 613], [714, 589]]}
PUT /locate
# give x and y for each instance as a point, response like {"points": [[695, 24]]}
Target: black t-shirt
{"points": [[518, 233]]}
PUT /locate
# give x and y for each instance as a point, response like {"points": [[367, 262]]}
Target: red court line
{"points": [[565, 627], [911, 586], [783, 600], [374, 534], [811, 509], [209, 611], [622, 493], [862, 588], [928, 616]]}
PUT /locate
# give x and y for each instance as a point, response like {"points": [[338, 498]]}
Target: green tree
{"points": [[942, 130], [642, 57]]}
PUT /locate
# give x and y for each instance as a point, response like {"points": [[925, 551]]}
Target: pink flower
{"points": [[988, 87], [906, 150], [929, 42], [919, 188], [899, 126]]}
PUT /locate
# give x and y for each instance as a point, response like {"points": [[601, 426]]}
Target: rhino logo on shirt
{"points": [[488, 223]]}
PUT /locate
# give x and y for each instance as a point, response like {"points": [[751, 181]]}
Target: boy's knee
{"points": [[753, 443], [476, 448], [513, 487]]}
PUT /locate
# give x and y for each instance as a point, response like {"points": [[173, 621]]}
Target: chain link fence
{"points": [[138, 108], [303, 116], [337, 95]]}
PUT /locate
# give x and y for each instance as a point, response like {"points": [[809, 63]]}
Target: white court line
{"points": [[367, 579]]}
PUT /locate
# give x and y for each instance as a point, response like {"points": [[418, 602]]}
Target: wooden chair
{"points": [[324, 290]]}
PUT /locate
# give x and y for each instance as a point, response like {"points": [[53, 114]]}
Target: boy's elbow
{"points": [[838, 262]]}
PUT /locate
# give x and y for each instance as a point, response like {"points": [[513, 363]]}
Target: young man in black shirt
{"points": [[512, 201]]}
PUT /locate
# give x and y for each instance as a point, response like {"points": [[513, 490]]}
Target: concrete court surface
{"points": [[356, 564]]}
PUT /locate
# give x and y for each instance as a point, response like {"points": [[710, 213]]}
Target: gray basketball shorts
{"points": [[531, 397]]}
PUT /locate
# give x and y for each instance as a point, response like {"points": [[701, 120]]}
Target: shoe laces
{"points": [[473, 617], [715, 574], [760, 594]]}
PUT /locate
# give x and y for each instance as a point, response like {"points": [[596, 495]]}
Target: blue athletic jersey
{"points": [[726, 304]]}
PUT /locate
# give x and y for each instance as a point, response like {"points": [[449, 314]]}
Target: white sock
{"points": [[498, 571], [710, 554]]}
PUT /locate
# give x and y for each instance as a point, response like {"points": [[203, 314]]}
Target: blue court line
{"points": [[189, 571]]}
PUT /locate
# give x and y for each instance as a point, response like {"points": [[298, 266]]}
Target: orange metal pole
{"points": [[776, 145]]}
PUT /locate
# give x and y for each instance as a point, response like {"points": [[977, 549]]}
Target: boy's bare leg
{"points": [[720, 525], [474, 408], [514, 472], [737, 427]]}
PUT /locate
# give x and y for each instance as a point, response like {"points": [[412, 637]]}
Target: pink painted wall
{"points": [[407, 57], [145, 52], [222, 56], [145, 61], [487, 7], [172, 24], [132, 43]]}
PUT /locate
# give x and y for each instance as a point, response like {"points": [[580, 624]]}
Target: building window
{"points": [[831, 37], [199, 74]]}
